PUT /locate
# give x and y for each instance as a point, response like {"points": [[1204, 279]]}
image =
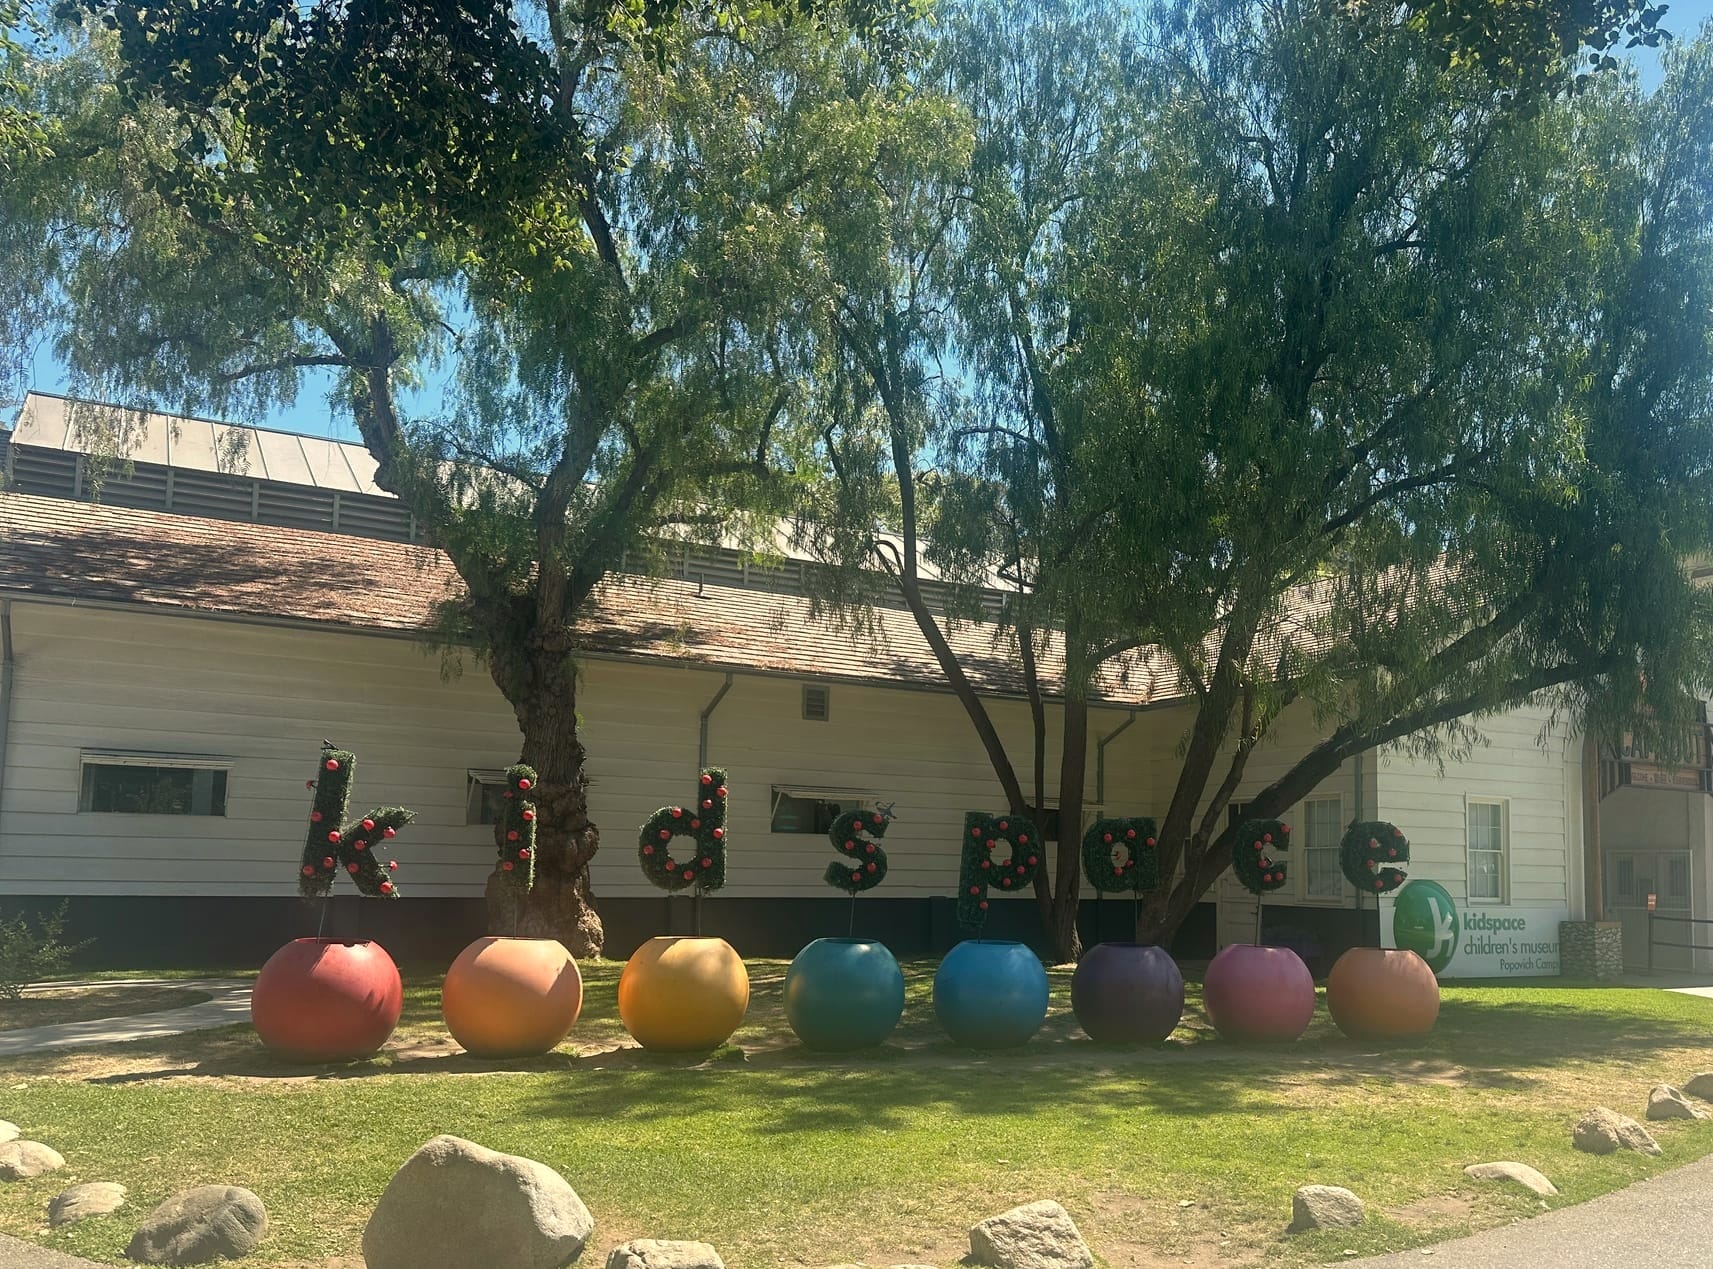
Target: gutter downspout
{"points": [[702, 761], [1100, 759]]}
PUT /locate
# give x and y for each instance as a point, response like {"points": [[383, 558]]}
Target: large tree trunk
{"points": [[1062, 935], [542, 688]]}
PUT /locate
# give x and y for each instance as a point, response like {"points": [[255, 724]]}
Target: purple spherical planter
{"points": [[1127, 993], [1258, 993]]}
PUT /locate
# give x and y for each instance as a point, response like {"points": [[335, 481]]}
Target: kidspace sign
{"points": [[1482, 941]]}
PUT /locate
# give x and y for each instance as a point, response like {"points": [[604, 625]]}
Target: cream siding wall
{"points": [[259, 696], [263, 697], [1534, 766]]}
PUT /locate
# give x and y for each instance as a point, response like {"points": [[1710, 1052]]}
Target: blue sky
{"points": [[312, 414]]}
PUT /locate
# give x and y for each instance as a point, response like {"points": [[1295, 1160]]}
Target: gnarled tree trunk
{"points": [[541, 685]]}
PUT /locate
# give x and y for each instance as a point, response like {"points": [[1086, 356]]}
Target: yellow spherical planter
{"points": [[683, 995], [511, 997]]}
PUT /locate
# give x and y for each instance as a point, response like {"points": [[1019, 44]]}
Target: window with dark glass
{"points": [[137, 788]]}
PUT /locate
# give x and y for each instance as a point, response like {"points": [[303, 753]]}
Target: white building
{"points": [[182, 646]]}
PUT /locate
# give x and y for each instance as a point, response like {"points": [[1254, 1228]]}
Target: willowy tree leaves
{"points": [[1297, 357], [588, 221]]}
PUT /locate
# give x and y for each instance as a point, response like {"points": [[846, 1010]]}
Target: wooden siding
{"points": [[1527, 761]]}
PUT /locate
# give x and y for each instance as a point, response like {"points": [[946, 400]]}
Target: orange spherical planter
{"points": [[511, 997], [683, 995], [1376, 993]]}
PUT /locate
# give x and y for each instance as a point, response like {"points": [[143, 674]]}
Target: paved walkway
{"points": [[1660, 1223], [230, 1004], [17, 1255]]}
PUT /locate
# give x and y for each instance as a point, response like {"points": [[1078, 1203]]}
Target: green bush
{"points": [[31, 950]]}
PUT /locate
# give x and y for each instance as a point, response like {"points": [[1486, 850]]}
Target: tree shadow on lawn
{"points": [[1505, 1037]]}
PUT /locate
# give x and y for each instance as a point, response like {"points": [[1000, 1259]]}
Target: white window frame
{"points": [[140, 758], [1471, 801], [858, 799], [1301, 850]]}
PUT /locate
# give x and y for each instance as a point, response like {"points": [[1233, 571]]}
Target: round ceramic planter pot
{"points": [[1256, 994], [990, 994], [843, 994], [511, 997], [1127, 993], [1376, 993], [683, 995], [325, 1000]]}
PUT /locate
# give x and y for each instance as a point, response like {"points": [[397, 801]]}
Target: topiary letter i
{"points": [[334, 844], [514, 831]]}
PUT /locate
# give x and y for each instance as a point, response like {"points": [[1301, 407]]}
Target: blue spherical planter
{"points": [[843, 994], [990, 994]]}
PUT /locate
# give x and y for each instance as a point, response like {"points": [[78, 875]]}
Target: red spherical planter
{"points": [[1376, 993], [1258, 993], [511, 997], [323, 1000]]}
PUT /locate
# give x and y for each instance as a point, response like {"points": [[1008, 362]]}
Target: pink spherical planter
{"points": [[323, 1000], [1258, 993]]}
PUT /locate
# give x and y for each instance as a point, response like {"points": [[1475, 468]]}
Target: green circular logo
{"points": [[1424, 921]]}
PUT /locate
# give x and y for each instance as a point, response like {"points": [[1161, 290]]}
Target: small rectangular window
{"points": [[1626, 879], [807, 812], [1322, 829], [484, 796], [817, 703], [1677, 877], [134, 786], [1487, 851]]}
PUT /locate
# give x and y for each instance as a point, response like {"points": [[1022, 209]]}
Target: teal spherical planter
{"points": [[990, 994], [843, 994]]}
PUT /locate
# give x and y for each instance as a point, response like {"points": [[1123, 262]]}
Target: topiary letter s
{"points": [[704, 823], [856, 835], [1138, 871], [333, 844], [1373, 854], [1252, 851]]}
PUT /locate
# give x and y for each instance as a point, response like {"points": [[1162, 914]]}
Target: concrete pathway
{"points": [[17, 1255], [1660, 1223], [230, 1003]]}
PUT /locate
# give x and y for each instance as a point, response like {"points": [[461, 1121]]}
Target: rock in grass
{"points": [[1520, 1173], [8, 1131], [663, 1253], [457, 1205], [1666, 1102], [1035, 1236], [1325, 1207], [21, 1160], [195, 1227], [1602, 1131], [80, 1202], [1696, 1086]]}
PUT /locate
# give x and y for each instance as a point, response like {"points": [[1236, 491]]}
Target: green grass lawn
{"points": [[779, 1157]]}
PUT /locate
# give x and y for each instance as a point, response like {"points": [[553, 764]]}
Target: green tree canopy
{"points": [[1290, 351], [590, 219]]}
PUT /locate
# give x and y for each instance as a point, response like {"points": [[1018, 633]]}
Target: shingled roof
{"points": [[74, 550]]}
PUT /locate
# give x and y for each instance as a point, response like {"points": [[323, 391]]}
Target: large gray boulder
{"points": [[80, 1202], [1700, 1086], [195, 1227], [1325, 1207], [664, 1253], [1035, 1236], [1603, 1130], [21, 1160], [457, 1205], [1666, 1102], [1516, 1173]]}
